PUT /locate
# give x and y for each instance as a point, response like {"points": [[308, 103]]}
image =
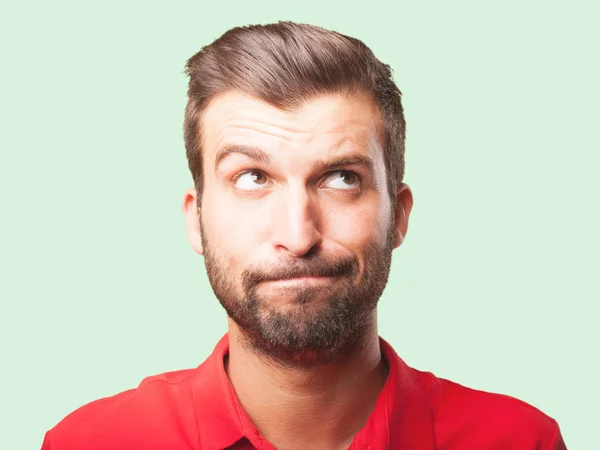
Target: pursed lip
{"points": [[301, 279]]}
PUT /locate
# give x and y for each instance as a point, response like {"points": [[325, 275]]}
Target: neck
{"points": [[321, 406]]}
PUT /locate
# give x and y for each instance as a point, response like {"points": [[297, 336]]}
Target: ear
{"points": [[192, 217], [404, 203]]}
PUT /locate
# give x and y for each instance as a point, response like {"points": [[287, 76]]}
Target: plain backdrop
{"points": [[496, 286]]}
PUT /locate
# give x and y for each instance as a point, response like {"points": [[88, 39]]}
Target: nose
{"points": [[297, 222]]}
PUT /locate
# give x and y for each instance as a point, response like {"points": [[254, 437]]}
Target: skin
{"points": [[277, 216]]}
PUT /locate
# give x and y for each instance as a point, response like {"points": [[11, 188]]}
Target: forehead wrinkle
{"points": [[305, 127], [288, 124], [267, 128], [344, 149], [341, 133], [267, 116]]}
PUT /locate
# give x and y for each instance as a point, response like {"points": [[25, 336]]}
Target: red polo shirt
{"points": [[198, 409]]}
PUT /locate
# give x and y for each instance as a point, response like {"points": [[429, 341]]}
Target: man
{"points": [[295, 140]]}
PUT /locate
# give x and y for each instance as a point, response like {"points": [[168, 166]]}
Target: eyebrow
{"points": [[260, 156], [342, 161], [251, 152]]}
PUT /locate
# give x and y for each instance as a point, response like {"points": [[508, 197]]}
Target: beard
{"points": [[317, 324]]}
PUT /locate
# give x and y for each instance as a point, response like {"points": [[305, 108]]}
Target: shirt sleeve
{"points": [[557, 443], [46, 443]]}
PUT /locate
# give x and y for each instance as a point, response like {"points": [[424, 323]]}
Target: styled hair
{"points": [[286, 64]]}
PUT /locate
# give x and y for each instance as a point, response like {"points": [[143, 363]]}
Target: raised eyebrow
{"points": [[254, 153], [342, 161]]}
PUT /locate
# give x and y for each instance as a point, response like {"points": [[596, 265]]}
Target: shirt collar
{"points": [[402, 413]]}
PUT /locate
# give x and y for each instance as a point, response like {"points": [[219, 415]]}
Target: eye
{"points": [[251, 181], [342, 179]]}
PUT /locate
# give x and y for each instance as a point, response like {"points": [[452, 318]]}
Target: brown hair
{"points": [[286, 64]]}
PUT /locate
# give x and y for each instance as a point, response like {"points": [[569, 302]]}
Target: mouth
{"points": [[302, 280]]}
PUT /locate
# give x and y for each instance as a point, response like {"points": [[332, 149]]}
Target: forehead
{"points": [[324, 121]]}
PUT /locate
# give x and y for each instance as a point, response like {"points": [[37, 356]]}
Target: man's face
{"points": [[296, 223]]}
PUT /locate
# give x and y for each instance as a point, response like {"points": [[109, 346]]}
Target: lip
{"points": [[298, 280]]}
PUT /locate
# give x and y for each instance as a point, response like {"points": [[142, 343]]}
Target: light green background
{"points": [[496, 286]]}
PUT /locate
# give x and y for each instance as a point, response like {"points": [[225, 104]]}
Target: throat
{"points": [[320, 407]]}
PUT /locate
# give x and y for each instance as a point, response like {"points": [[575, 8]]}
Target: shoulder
{"points": [[471, 418], [146, 416]]}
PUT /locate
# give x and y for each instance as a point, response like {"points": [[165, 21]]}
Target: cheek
{"points": [[355, 232], [234, 228], [361, 224]]}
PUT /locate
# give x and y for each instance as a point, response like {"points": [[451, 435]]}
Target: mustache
{"points": [[310, 266]]}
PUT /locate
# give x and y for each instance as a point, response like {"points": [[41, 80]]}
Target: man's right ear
{"points": [[192, 216]]}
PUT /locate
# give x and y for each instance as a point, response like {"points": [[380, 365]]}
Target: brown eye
{"points": [[258, 177], [251, 181], [342, 179], [349, 177]]}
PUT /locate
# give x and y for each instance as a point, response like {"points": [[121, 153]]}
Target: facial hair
{"points": [[303, 333]]}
